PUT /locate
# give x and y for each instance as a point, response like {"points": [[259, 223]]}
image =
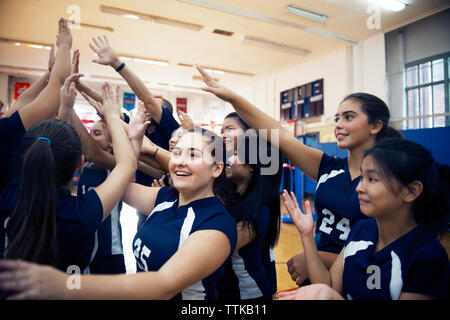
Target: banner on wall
{"points": [[129, 100], [182, 105], [19, 88]]}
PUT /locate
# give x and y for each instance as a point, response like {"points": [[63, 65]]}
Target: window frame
{"points": [[431, 83]]}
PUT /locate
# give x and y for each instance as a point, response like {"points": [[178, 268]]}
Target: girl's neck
{"points": [[188, 197], [242, 187], [393, 226], [355, 158]]}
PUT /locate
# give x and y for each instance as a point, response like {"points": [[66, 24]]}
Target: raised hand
{"points": [[214, 87], [158, 183], [76, 61], [64, 37], [186, 121], [105, 53], [137, 125], [68, 93], [51, 58], [303, 222], [110, 107]]}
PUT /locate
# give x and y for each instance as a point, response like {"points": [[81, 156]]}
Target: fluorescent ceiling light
{"points": [[149, 17], [268, 19], [24, 43], [215, 71], [130, 16], [264, 43], [393, 5], [307, 14], [157, 62]]}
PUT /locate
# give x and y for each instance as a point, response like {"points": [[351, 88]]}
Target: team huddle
{"points": [[209, 210]]}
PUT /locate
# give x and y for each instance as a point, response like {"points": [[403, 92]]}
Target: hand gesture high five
{"points": [[303, 222], [105, 52], [214, 87], [137, 125], [110, 106], [64, 37], [68, 93]]}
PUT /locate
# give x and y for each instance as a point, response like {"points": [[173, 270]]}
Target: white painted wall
{"points": [[346, 70]]}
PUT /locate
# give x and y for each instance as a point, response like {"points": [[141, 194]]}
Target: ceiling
{"points": [[36, 21]]}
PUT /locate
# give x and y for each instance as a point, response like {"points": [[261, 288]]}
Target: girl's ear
{"points": [[217, 169], [376, 127], [80, 162], [413, 191]]}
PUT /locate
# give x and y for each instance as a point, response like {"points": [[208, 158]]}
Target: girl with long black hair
{"points": [[395, 254]]}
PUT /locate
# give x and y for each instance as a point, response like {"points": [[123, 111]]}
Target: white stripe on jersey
{"points": [[272, 254], [248, 288], [354, 246], [396, 284], [323, 178], [162, 206], [116, 240], [197, 290]]}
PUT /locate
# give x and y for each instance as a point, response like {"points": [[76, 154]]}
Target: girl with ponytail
{"points": [[46, 224]]}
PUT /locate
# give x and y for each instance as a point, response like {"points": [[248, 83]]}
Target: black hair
{"points": [[166, 104], [241, 121], [408, 161], [49, 154], [263, 189], [376, 110]]}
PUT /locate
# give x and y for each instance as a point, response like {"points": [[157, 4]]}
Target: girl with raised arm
{"points": [[182, 248], [395, 253], [361, 120], [46, 223]]}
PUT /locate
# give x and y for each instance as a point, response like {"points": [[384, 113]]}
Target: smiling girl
{"points": [[394, 255], [182, 248], [361, 120]]}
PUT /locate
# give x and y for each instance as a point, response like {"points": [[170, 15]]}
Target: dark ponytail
{"points": [[51, 150], [407, 161], [376, 110]]}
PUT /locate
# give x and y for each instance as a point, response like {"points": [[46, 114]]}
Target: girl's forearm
{"points": [[317, 271]]}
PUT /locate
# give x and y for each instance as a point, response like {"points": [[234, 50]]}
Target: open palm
{"points": [[303, 222], [105, 53]]}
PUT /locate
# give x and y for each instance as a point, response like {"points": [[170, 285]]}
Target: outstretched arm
{"points": [[32, 92], [202, 253], [107, 56], [46, 103], [305, 158], [317, 271], [112, 189]]}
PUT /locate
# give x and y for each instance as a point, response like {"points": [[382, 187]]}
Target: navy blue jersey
{"points": [[169, 225], [336, 202], [268, 258], [160, 137], [11, 132], [77, 220], [245, 276], [414, 263], [109, 234]]}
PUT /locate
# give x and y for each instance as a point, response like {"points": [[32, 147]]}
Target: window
{"points": [[427, 93]]}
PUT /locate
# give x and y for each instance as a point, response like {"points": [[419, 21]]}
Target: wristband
{"points": [[119, 68]]}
